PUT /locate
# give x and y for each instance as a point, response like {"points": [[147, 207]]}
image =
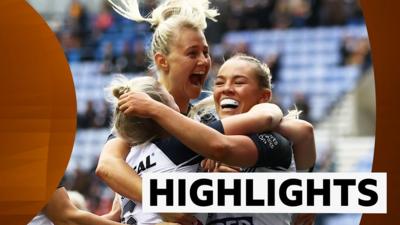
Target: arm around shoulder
{"points": [[301, 133], [261, 117]]}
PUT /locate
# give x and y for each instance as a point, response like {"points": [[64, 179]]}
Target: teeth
{"points": [[225, 103]]}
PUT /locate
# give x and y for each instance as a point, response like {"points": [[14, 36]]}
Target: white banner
{"points": [[265, 192]]}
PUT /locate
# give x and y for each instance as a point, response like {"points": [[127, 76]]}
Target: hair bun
{"points": [[118, 91]]}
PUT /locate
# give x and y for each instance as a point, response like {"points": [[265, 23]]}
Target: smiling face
{"points": [[237, 88], [185, 68]]}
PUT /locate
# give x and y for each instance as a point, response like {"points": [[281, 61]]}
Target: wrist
{"points": [[157, 110]]}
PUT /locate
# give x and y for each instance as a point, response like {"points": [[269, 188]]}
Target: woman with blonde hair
{"points": [[180, 55]]}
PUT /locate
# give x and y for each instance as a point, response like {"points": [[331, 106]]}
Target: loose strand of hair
{"points": [[128, 9]]}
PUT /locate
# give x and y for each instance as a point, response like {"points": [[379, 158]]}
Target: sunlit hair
{"points": [[293, 113], [168, 19], [264, 78], [262, 70], [136, 130]]}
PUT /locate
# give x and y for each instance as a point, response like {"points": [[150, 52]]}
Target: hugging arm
{"points": [[301, 133], [120, 177], [61, 211], [260, 118], [116, 173], [237, 150]]}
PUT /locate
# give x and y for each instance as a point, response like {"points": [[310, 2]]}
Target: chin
{"points": [[194, 93], [226, 114]]}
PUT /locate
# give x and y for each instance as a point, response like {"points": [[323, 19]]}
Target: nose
{"points": [[202, 60], [227, 88]]}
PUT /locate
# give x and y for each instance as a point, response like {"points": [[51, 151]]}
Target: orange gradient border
{"points": [[384, 35], [37, 112]]}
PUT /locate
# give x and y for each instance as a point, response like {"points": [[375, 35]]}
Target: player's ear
{"points": [[161, 62], [266, 96]]}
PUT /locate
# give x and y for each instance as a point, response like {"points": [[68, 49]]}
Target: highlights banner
{"points": [[265, 192]]}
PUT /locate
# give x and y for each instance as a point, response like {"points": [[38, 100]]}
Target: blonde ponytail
{"points": [[128, 9], [167, 19], [189, 9]]}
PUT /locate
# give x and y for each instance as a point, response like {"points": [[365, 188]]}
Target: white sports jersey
{"points": [[159, 156], [170, 155], [281, 162], [162, 156]]}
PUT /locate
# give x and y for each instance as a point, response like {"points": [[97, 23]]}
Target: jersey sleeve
{"points": [[217, 125], [274, 151], [177, 151]]}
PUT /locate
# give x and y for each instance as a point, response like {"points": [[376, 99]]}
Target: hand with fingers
{"points": [[137, 104], [178, 218], [224, 168], [210, 165]]}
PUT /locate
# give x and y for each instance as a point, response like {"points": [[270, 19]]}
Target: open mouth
{"points": [[229, 104], [197, 79]]}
